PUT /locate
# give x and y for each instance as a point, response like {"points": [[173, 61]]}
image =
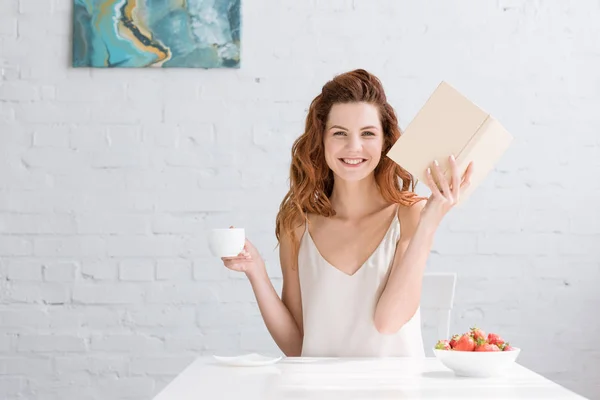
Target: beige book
{"points": [[448, 124]]}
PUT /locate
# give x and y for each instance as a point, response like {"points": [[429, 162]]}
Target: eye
{"points": [[368, 133], [339, 133]]}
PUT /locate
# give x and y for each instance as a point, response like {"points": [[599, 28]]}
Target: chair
{"points": [[437, 295]]}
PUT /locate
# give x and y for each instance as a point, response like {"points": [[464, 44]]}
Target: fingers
{"points": [[243, 256], [236, 265], [236, 258], [432, 185], [440, 186], [445, 188], [466, 179], [455, 178]]}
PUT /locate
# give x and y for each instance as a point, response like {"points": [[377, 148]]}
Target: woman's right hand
{"points": [[248, 261]]}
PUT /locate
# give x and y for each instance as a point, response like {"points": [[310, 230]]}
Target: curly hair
{"points": [[311, 179]]}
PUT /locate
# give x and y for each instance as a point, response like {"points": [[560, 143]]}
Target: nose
{"points": [[354, 143]]}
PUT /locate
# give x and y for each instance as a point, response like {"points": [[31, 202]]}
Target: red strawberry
{"points": [[443, 345], [454, 340], [494, 338], [486, 347], [465, 343], [477, 333], [507, 347]]}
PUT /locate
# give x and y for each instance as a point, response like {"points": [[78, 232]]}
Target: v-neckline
{"points": [[394, 219]]}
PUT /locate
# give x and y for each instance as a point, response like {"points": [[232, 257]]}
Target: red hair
{"points": [[311, 180]]}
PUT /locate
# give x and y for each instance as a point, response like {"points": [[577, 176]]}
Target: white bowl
{"points": [[226, 242], [477, 363]]}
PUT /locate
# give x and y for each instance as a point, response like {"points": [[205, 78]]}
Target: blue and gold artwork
{"points": [[156, 33]]}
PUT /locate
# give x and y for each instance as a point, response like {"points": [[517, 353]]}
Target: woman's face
{"points": [[353, 140]]}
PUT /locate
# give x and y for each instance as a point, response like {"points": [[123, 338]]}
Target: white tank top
{"points": [[338, 308]]}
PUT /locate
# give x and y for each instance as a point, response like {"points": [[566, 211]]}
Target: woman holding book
{"points": [[353, 235]]}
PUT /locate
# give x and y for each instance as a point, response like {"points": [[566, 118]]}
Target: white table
{"points": [[348, 379]]}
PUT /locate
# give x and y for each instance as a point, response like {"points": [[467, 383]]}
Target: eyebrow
{"points": [[345, 129]]}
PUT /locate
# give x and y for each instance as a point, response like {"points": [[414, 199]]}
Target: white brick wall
{"points": [[109, 181]]}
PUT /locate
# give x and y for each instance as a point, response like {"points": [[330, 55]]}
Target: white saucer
{"points": [[247, 360]]}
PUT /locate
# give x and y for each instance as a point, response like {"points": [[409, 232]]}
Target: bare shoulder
{"points": [[409, 217]]}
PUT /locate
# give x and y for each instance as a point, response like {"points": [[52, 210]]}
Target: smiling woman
{"points": [[354, 237], [353, 148]]}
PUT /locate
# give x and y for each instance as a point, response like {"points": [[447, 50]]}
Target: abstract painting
{"points": [[156, 33]]}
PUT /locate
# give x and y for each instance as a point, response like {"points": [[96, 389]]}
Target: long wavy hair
{"points": [[311, 179]]}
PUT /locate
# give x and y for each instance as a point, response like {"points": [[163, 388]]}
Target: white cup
{"points": [[226, 242]]}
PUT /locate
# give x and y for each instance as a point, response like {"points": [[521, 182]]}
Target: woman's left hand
{"points": [[446, 196]]}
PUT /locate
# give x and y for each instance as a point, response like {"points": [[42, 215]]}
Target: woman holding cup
{"points": [[353, 235]]}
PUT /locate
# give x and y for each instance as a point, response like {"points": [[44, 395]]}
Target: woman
{"points": [[354, 237]]}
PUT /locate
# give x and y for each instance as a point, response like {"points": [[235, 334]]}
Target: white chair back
{"points": [[437, 296]]}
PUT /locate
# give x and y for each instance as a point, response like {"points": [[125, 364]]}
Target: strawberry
{"points": [[465, 343], [494, 338], [483, 346], [454, 340], [443, 345], [507, 347], [477, 333]]}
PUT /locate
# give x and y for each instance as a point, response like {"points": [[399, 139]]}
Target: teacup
{"points": [[226, 242]]}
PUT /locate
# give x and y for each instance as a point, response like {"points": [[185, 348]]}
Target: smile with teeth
{"points": [[353, 161]]}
